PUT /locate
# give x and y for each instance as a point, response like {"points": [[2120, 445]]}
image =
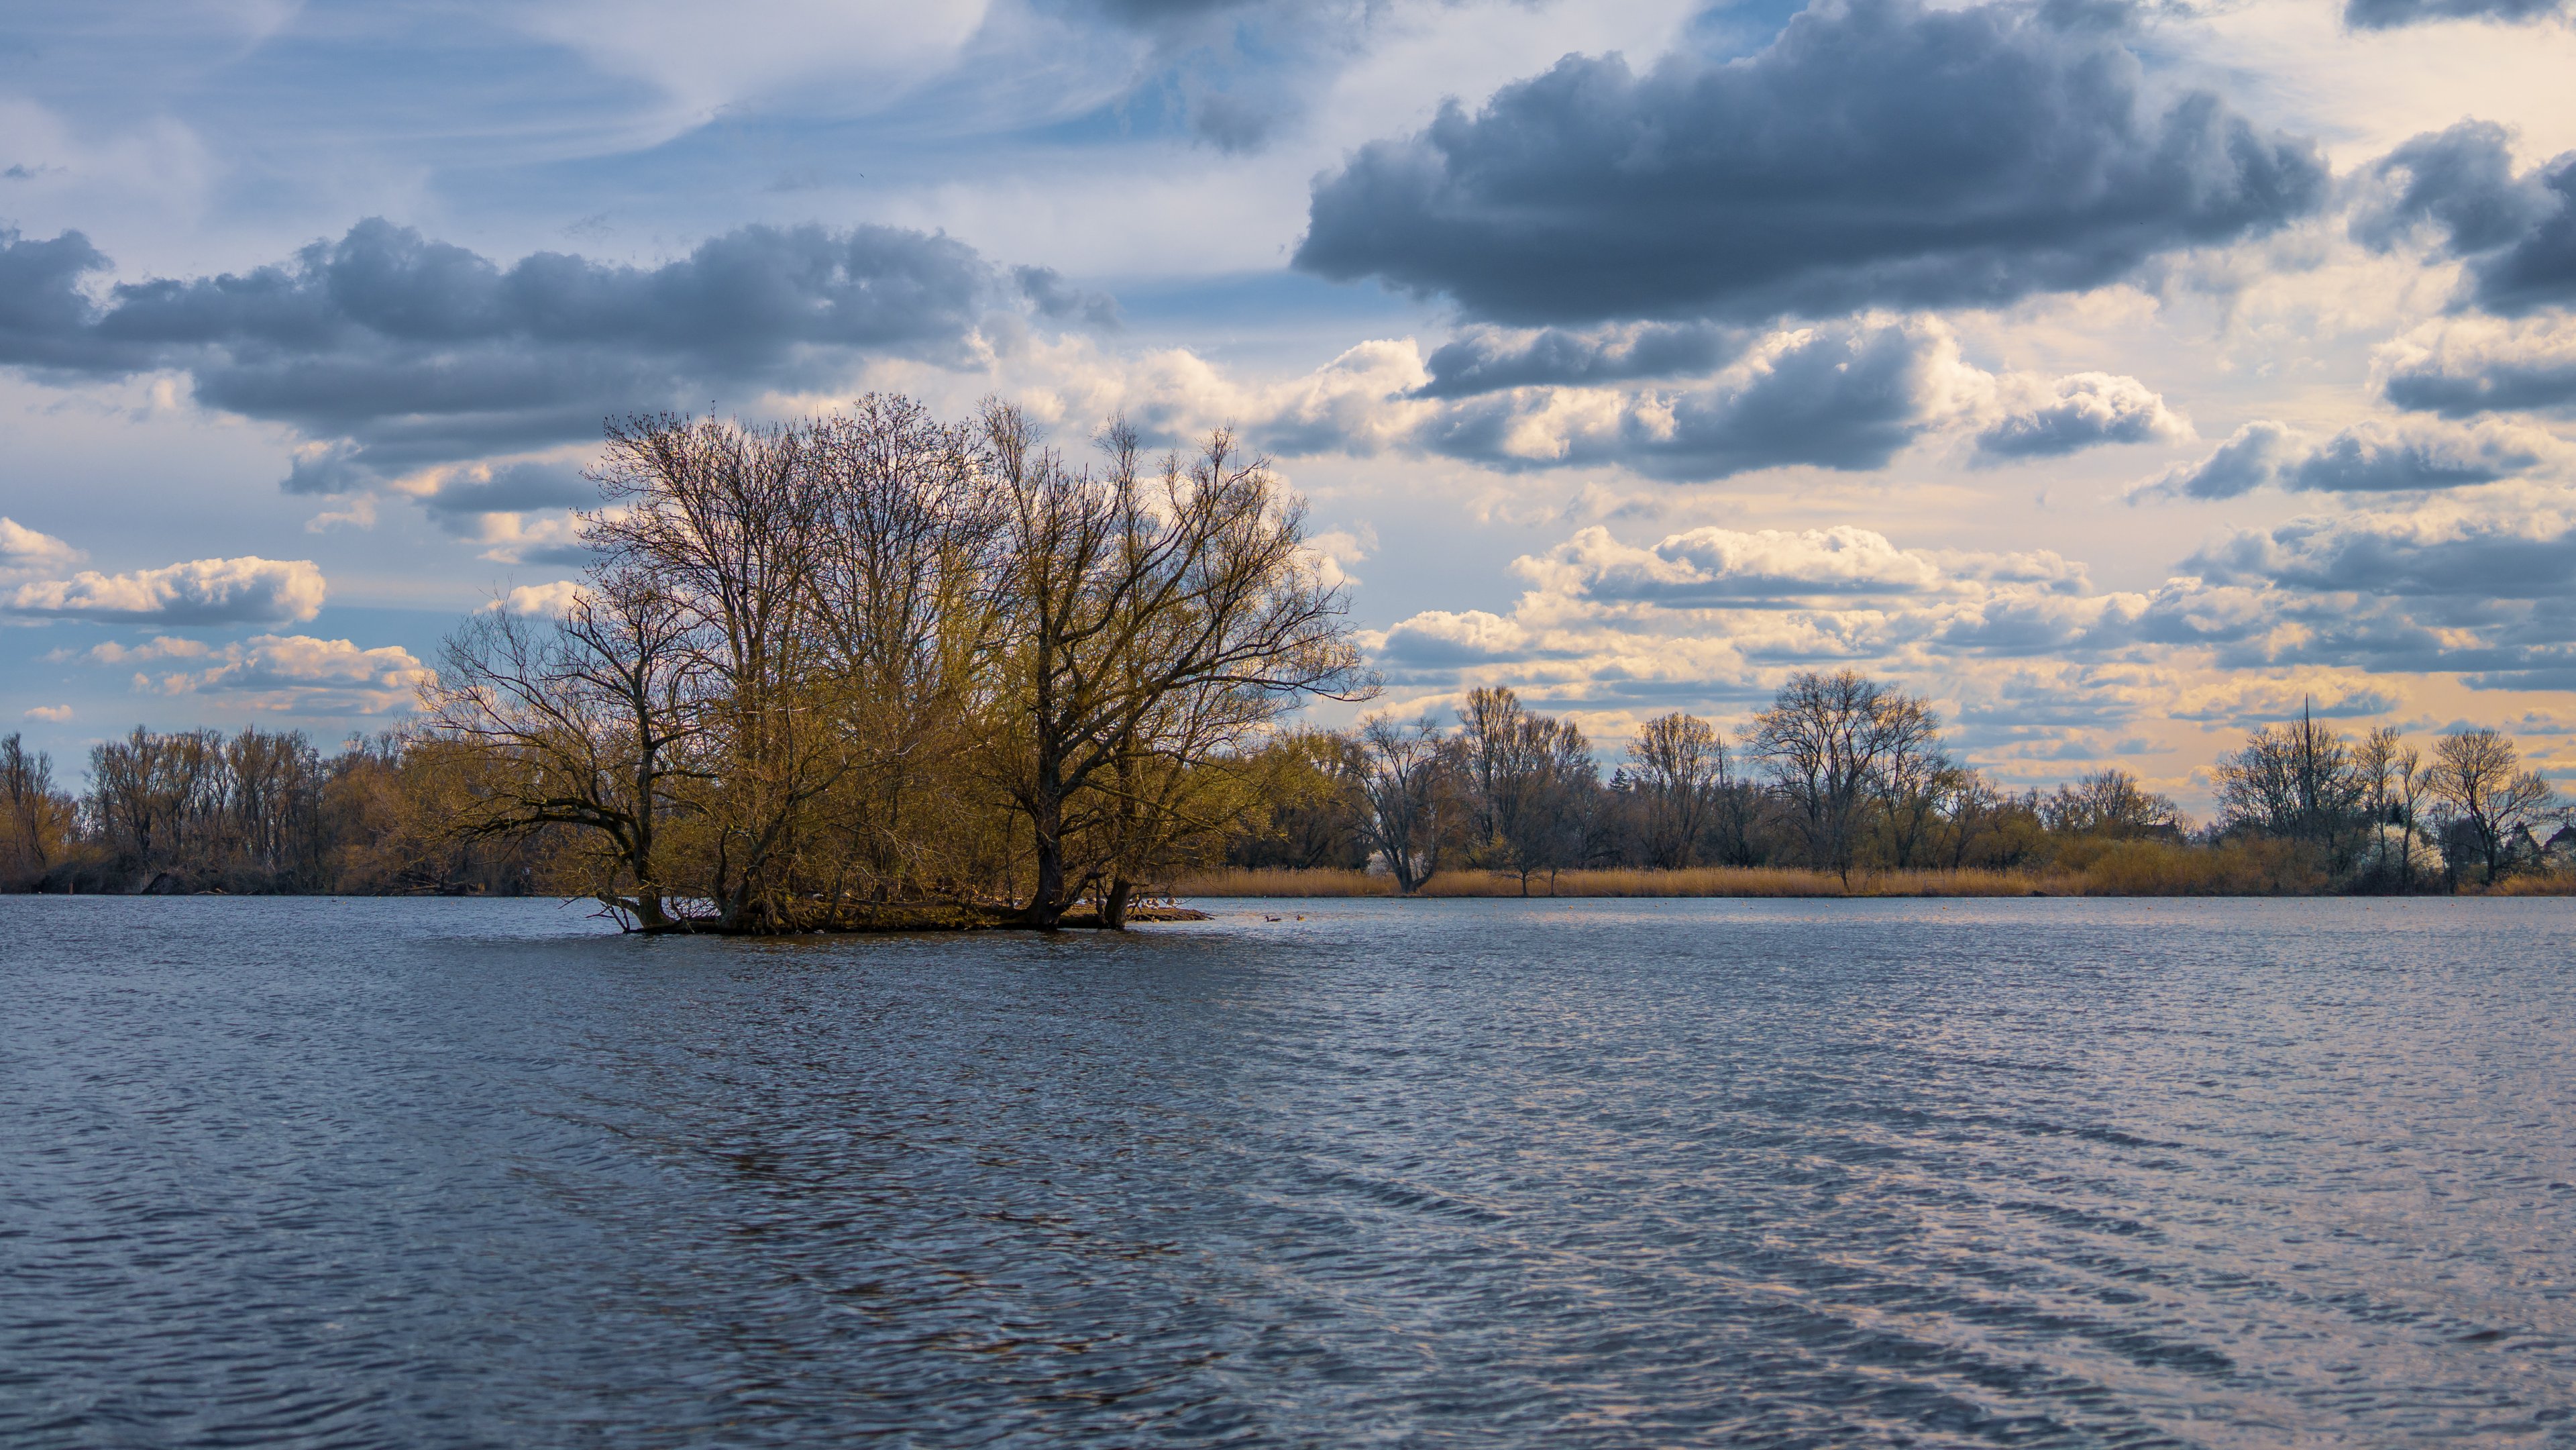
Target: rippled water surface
{"points": [[434, 1173]]}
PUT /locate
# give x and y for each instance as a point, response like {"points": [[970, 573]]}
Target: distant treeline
{"points": [[1837, 776], [1845, 774], [1842, 774], [261, 812], [876, 669]]}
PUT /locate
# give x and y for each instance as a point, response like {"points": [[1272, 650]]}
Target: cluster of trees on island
{"points": [[878, 668], [860, 669]]}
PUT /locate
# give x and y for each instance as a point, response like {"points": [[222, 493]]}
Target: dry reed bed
{"points": [[2129, 868]]}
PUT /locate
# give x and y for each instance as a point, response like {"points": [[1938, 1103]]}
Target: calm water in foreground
{"points": [[434, 1173]]}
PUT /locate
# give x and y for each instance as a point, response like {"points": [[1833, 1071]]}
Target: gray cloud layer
{"points": [[1487, 362], [2389, 14], [2533, 370], [2485, 561], [416, 352], [515, 488], [1845, 397], [2516, 233], [1877, 154], [2366, 458]]}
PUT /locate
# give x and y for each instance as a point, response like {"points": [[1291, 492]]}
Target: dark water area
{"points": [[452, 1173]]}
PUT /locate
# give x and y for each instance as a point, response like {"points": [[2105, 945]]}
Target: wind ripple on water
{"points": [[2016, 1173]]}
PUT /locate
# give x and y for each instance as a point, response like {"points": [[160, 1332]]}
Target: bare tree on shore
{"points": [[41, 820], [2479, 775], [1406, 774], [1826, 737], [1534, 783], [1679, 769]]}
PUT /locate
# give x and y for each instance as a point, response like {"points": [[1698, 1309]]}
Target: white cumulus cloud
{"points": [[551, 601], [23, 551], [247, 590], [302, 674]]}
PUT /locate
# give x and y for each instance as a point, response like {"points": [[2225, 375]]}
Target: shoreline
{"points": [[1769, 882]]}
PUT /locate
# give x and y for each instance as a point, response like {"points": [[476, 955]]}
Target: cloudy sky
{"points": [[2118, 376]]}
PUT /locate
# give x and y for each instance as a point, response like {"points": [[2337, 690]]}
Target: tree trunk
{"points": [[1046, 905], [1114, 902]]}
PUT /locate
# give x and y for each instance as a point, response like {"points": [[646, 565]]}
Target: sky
{"points": [[2118, 376]]}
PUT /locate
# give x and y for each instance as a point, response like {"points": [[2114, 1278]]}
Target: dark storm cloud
{"points": [[1843, 401], [1877, 154], [410, 351], [1847, 398], [2389, 14], [1486, 361], [2517, 234]]}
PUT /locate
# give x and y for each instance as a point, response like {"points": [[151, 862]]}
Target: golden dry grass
{"points": [[1701, 881], [1733, 881], [2548, 883], [2097, 868], [2161, 868], [1230, 881]]}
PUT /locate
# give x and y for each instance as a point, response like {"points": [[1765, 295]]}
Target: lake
{"points": [[1576, 1173]]}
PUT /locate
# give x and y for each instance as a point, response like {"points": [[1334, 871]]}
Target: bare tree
{"points": [[2477, 772], [906, 612], [1989, 826], [158, 799], [273, 803], [1404, 773], [1825, 737], [589, 722], [725, 521], [1170, 617], [2295, 781], [1912, 779], [40, 818], [1737, 812], [1679, 768], [2108, 803], [1534, 783], [2392, 780]]}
